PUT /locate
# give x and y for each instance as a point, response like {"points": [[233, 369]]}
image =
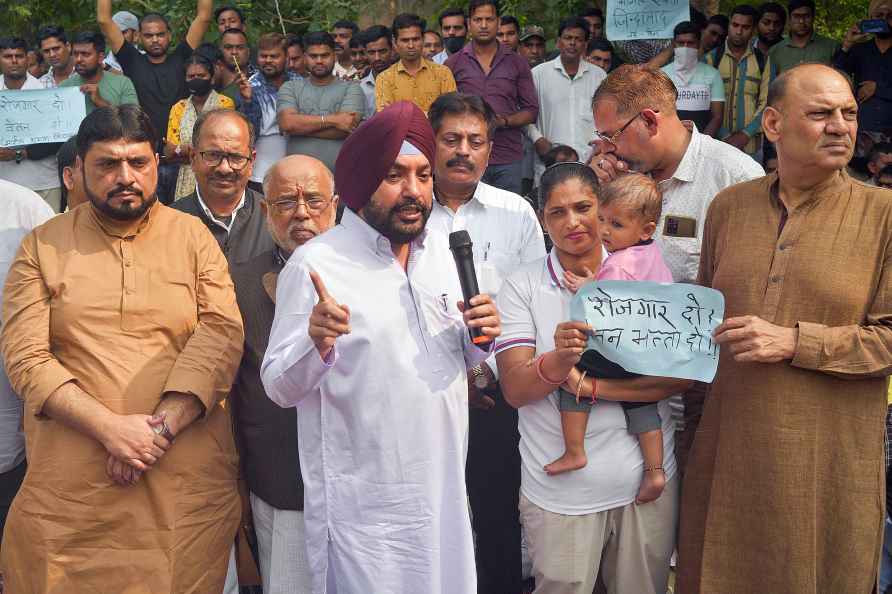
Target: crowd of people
{"points": [[238, 358]]}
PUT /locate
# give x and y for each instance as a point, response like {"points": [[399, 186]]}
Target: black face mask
{"points": [[198, 86], [453, 44]]}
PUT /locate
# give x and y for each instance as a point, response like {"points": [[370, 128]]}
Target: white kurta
{"points": [[382, 425]]}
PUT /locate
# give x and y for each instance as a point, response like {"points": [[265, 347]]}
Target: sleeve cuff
{"points": [[809, 345], [533, 133], [51, 379]]}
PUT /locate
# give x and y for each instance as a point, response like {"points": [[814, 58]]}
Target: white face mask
{"points": [[686, 59]]}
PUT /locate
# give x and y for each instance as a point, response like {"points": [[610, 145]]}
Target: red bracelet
{"points": [[594, 390], [541, 374]]}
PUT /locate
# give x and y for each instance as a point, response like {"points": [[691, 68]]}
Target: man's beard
{"points": [[769, 41], [87, 73], [387, 223], [124, 212]]}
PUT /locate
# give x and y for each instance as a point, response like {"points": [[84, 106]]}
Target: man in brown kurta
{"points": [[784, 490], [121, 332]]}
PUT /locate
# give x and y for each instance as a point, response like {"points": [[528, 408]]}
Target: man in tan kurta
{"points": [[121, 332], [784, 489]]}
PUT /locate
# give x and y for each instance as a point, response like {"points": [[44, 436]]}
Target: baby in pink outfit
{"points": [[628, 211]]}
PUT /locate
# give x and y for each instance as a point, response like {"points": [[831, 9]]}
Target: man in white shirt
{"points": [[646, 135], [506, 235], [33, 165], [565, 87], [23, 210], [369, 344], [56, 49]]}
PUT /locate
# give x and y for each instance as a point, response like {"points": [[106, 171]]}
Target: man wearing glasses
{"points": [[299, 205], [222, 161], [639, 130]]}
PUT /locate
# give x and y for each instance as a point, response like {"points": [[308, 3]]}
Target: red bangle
{"points": [[541, 374], [594, 390]]}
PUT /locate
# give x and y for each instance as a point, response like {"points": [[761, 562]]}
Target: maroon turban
{"points": [[370, 151]]}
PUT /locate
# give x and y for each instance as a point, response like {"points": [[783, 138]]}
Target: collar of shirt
{"points": [[556, 271], [31, 83], [210, 215], [480, 198], [369, 237], [583, 68], [369, 79], [834, 186], [400, 67], [501, 51], [687, 168], [788, 41], [746, 54]]}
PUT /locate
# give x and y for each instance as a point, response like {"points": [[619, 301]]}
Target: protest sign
{"points": [[645, 19], [653, 328], [40, 115]]}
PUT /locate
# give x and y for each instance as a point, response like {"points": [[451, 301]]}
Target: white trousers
{"points": [[282, 544]]}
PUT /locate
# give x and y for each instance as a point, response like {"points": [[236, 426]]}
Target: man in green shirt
{"points": [[803, 44], [100, 88]]}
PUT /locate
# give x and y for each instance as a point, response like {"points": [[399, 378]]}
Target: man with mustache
{"points": [[299, 205], [122, 336], [371, 347], [506, 235], [54, 45], [638, 129], [770, 27], [99, 88], [342, 32], [791, 437], [379, 51], [222, 161], [486, 68]]}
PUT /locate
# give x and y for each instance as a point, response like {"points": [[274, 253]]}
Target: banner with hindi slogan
{"points": [[645, 19], [40, 115], [659, 329]]}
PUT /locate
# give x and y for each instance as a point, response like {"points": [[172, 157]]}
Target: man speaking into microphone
{"points": [[370, 344]]}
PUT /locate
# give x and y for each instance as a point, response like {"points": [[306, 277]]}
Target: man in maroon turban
{"points": [[371, 346]]}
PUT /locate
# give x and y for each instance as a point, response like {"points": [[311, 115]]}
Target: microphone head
{"points": [[459, 239]]}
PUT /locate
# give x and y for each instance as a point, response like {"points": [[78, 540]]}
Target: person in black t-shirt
{"points": [[157, 74]]}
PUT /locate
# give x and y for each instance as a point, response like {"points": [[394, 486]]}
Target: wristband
{"points": [[579, 385], [541, 375], [594, 389]]}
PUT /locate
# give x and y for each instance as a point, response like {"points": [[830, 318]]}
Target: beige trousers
{"points": [[631, 545]]}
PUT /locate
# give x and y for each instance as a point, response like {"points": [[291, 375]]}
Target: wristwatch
{"points": [[164, 431], [19, 156], [479, 376]]}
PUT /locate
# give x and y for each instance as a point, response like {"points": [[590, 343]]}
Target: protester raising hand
{"points": [[328, 320]]}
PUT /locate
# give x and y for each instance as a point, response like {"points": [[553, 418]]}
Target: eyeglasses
{"points": [[614, 137], [314, 204], [236, 161]]}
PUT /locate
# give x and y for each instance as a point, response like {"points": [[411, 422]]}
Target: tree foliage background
{"points": [[25, 17]]}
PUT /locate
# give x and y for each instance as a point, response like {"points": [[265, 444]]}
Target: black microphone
{"points": [[461, 247]]}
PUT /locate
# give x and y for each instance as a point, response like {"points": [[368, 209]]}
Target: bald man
{"points": [[783, 491], [369, 343], [299, 204]]}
